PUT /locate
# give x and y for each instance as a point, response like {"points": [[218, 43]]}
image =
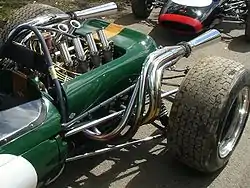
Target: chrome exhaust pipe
{"points": [[153, 67], [148, 82], [98, 11], [205, 39]]}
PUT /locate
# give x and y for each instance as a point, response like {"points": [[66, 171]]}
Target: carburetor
{"points": [[73, 54]]}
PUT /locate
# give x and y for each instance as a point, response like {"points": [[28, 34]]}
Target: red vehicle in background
{"points": [[194, 16]]}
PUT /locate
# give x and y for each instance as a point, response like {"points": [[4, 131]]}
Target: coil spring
{"points": [[163, 111]]}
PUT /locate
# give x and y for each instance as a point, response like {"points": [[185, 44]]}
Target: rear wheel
{"points": [[209, 114], [142, 8], [24, 14]]}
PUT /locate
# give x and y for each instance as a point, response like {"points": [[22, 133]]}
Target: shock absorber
{"points": [[163, 116]]}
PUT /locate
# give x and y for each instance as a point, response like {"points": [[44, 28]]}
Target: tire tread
{"points": [[194, 117], [26, 12]]}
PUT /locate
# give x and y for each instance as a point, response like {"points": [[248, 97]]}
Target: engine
{"points": [[73, 54]]}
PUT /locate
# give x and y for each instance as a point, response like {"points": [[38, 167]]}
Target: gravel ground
{"points": [[6, 6]]}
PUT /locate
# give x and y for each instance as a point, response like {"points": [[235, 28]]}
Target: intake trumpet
{"points": [[106, 48]]}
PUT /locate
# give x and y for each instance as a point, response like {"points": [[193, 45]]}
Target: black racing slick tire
{"points": [[25, 13], [209, 114], [142, 8]]}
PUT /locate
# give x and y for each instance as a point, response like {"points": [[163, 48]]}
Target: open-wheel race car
{"points": [[73, 86], [194, 16]]}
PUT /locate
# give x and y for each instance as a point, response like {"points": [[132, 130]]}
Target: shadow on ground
{"points": [[227, 27], [142, 166], [161, 35], [166, 38], [237, 44]]}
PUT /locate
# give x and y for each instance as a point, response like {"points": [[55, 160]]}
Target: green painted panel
{"points": [[95, 86], [42, 145], [44, 157], [48, 129], [63, 148]]}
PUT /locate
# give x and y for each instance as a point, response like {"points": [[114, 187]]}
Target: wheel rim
{"points": [[235, 123]]}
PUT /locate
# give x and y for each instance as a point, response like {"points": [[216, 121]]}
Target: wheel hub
{"points": [[234, 123]]}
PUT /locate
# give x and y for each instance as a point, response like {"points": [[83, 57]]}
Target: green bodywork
{"points": [[43, 145], [89, 89]]}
